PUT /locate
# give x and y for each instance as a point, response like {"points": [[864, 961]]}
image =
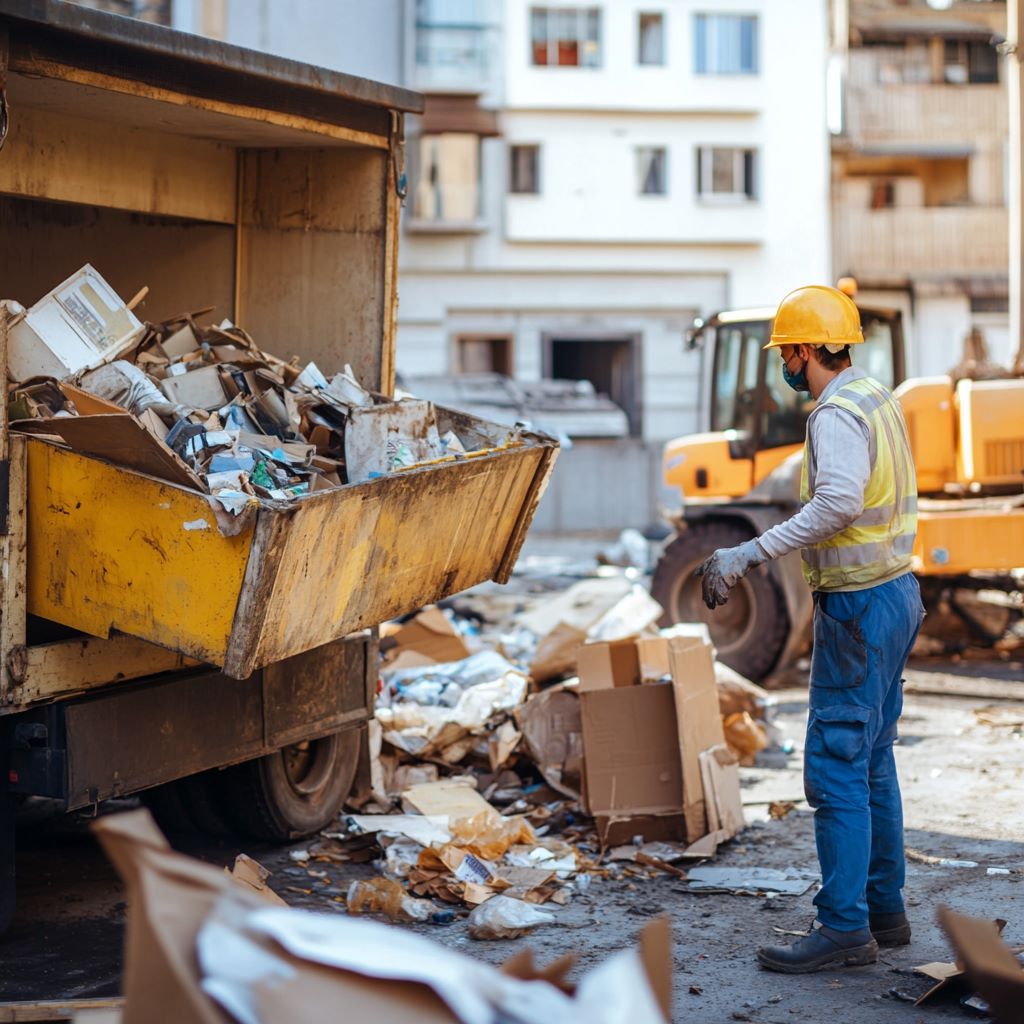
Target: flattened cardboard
{"points": [[453, 799], [698, 720], [988, 963], [197, 389], [721, 783], [553, 734], [118, 438], [428, 634]]}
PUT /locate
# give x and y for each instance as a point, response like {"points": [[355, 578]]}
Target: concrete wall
{"points": [[359, 37], [604, 485]]}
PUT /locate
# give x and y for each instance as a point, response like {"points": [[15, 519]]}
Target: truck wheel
{"points": [[749, 631], [294, 792]]}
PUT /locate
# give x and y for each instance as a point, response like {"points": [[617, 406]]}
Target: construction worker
{"points": [[855, 532]]}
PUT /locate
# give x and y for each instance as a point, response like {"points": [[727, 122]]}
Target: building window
{"points": [[969, 62], [726, 44], [726, 173], [481, 353], [650, 39], [524, 170], [651, 168], [448, 178], [566, 36]]}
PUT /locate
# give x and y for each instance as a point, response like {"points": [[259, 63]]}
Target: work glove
{"points": [[725, 568]]}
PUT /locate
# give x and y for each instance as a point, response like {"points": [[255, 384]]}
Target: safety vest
{"points": [[876, 546]]}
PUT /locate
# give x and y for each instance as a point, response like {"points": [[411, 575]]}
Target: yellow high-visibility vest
{"points": [[876, 546]]}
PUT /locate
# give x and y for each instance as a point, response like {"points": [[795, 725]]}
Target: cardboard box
{"points": [[642, 742], [80, 324], [197, 389], [425, 639]]}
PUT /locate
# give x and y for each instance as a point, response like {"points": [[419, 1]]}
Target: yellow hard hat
{"points": [[817, 315]]}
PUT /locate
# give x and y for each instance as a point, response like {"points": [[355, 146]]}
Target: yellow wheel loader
{"points": [[741, 476]]}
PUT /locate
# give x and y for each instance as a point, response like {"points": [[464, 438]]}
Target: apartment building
{"points": [[655, 161], [920, 168], [587, 179]]}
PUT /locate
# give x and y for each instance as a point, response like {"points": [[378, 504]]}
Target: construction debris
{"points": [[198, 945], [205, 407], [488, 717]]}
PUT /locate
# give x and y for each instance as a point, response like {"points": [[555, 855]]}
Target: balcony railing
{"points": [[923, 242], [887, 102]]}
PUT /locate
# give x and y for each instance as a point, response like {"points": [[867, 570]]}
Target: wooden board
{"points": [[49, 155]]}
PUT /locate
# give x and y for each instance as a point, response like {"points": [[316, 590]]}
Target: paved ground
{"points": [[962, 784]]}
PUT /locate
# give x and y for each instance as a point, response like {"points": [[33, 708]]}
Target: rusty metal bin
{"points": [[112, 551]]}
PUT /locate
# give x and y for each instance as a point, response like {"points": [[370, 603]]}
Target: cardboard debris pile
{"points": [[515, 762], [206, 408], [201, 947]]}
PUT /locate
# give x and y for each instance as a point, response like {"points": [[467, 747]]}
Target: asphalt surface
{"points": [[962, 784]]}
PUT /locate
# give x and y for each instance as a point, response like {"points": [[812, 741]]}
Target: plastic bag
{"points": [[502, 917], [386, 896], [489, 835], [126, 385]]}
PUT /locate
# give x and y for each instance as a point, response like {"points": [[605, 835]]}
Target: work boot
{"points": [[890, 929], [823, 947]]}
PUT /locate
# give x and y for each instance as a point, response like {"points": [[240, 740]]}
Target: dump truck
{"points": [[227, 674], [741, 476]]}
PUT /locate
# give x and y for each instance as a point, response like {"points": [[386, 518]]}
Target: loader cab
{"points": [[752, 420]]}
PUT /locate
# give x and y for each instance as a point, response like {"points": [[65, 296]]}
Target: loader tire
{"points": [[749, 631], [294, 792]]}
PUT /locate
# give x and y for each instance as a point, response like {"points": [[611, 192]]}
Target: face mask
{"points": [[797, 381]]}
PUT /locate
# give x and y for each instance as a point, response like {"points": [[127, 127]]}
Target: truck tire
{"points": [[749, 631], [294, 792]]}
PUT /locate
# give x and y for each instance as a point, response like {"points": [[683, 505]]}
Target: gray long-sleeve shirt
{"points": [[841, 443]]}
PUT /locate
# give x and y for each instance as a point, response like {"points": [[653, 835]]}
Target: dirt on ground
{"points": [[961, 775]]}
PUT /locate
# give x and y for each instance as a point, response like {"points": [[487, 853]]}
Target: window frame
{"points": [[553, 39], [662, 60], [641, 192], [536, 148], [705, 174], [499, 341], [703, 50]]}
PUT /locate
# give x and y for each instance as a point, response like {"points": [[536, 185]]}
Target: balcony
{"points": [[890, 103], [894, 245], [455, 57]]}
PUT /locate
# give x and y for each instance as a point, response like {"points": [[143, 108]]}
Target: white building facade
{"points": [[587, 179], [656, 161]]}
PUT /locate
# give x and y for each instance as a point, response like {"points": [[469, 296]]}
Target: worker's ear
{"points": [[805, 351]]}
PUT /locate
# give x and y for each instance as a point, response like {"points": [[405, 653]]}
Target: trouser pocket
{"points": [[840, 655], [838, 731]]}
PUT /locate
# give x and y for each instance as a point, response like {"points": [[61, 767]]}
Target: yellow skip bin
{"points": [[113, 551]]}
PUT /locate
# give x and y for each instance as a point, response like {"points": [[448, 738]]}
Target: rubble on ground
{"points": [[477, 795]]}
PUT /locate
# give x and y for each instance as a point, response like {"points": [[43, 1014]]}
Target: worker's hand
{"points": [[725, 568]]}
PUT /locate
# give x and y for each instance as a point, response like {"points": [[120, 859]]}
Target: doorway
{"points": [[611, 362]]}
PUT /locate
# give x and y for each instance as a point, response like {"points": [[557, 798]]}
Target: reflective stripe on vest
{"points": [[876, 546]]}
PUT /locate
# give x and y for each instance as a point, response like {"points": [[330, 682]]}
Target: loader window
{"points": [[737, 355], [785, 410], [875, 356]]}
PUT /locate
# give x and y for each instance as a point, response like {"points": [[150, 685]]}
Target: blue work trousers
{"points": [[862, 639]]}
